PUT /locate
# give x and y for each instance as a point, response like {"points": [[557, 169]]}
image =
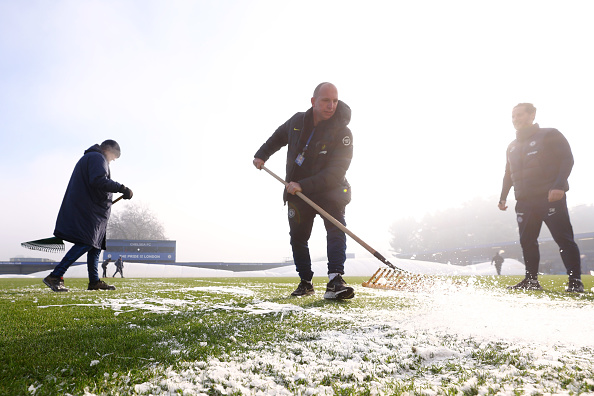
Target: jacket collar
{"points": [[341, 117], [526, 133]]}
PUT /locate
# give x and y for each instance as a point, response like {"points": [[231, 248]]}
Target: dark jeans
{"points": [[530, 215], [73, 254], [301, 219]]}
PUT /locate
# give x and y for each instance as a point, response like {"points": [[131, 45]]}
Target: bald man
{"points": [[319, 152]]}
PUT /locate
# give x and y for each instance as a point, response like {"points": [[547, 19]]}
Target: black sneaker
{"points": [[100, 285], [305, 288], [574, 286], [56, 283], [527, 284], [337, 289]]}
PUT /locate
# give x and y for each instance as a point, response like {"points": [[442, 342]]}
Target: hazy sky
{"points": [[191, 89]]}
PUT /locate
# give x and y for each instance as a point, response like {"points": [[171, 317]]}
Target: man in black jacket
{"points": [[104, 266], [84, 213], [320, 149], [498, 260], [539, 162]]}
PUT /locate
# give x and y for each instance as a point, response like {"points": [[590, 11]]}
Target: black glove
{"points": [[126, 191]]}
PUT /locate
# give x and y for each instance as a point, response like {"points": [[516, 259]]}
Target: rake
{"points": [[51, 245], [393, 278]]}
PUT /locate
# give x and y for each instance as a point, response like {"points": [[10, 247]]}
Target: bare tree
{"points": [[475, 222], [135, 222]]}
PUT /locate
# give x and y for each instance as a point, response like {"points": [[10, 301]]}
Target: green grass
{"points": [[105, 342], [57, 345]]}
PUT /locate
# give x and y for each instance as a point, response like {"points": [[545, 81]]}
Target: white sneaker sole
{"points": [[341, 295]]}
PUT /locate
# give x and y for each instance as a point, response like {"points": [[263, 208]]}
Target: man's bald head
{"points": [[324, 102], [316, 92]]}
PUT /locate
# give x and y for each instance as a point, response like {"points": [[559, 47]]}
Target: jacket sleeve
{"points": [[98, 172], [507, 182], [279, 139], [333, 174], [563, 154]]}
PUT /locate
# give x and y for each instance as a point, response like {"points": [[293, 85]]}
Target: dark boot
{"points": [[574, 286], [337, 289], [56, 283], [526, 284], [100, 285], [305, 288]]}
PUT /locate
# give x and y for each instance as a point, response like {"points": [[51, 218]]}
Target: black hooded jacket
{"points": [[86, 206], [538, 160], [328, 156]]}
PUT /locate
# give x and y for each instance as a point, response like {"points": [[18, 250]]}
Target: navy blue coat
{"points": [[86, 205]]}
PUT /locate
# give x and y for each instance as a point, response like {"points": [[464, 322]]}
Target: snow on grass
{"points": [[468, 341], [479, 339]]}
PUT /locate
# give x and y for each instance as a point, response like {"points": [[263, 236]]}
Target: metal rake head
{"points": [[390, 279], [51, 245]]}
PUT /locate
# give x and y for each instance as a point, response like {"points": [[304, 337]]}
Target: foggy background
{"points": [[191, 89]]}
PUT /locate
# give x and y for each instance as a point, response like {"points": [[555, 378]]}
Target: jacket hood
{"points": [[343, 113], [94, 148]]}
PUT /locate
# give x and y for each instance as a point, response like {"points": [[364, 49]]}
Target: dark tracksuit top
{"points": [[538, 160], [327, 158]]}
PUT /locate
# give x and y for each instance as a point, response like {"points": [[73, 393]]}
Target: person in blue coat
{"points": [[86, 207], [119, 267]]}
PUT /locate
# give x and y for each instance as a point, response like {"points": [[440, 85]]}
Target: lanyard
{"points": [[308, 140], [301, 157]]}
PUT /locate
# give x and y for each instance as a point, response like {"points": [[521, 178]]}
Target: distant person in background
{"points": [[84, 213], [119, 264], [104, 266], [538, 165], [320, 149], [498, 260]]}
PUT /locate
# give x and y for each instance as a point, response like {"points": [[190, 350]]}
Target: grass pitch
{"points": [[247, 336]]}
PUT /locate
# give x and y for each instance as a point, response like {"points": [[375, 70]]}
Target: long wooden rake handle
{"points": [[337, 223]]}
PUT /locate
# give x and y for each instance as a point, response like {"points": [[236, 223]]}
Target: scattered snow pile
{"points": [[353, 267], [471, 340], [474, 341]]}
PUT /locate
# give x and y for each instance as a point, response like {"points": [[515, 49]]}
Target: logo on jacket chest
{"points": [[346, 140], [532, 145]]}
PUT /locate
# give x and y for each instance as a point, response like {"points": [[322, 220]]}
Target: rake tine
{"points": [[373, 277]]}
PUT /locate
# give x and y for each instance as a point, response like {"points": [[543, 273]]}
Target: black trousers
{"points": [[530, 216], [301, 219]]}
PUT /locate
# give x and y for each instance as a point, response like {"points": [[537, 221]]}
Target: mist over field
{"points": [[191, 89]]}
